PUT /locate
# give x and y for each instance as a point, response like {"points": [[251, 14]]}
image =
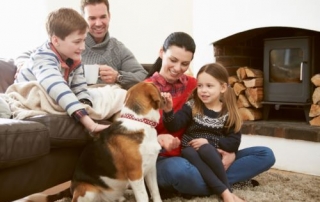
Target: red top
{"points": [[180, 92]]}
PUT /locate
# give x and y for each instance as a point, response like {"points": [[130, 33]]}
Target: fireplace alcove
{"points": [[248, 48], [281, 118]]}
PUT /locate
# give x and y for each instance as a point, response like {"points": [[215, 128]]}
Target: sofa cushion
{"points": [[8, 70], [64, 131], [22, 141]]}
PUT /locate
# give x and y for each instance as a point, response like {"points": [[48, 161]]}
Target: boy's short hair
{"points": [[64, 21], [84, 3]]}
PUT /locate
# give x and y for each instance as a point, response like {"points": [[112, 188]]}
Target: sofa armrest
{"points": [[22, 141]]}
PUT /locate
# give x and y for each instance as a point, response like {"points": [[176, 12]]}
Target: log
{"points": [[255, 82], [242, 101], [316, 96], [238, 88], [316, 80], [241, 73], [232, 80], [250, 114], [255, 96], [253, 73], [314, 110], [315, 121]]}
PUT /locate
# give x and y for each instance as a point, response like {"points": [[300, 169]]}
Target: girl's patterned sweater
{"points": [[209, 126]]}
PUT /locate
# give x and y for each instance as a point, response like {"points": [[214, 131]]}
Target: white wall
{"points": [[142, 25], [23, 24], [291, 155]]}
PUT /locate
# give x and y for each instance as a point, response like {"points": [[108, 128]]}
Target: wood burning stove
{"points": [[288, 66]]}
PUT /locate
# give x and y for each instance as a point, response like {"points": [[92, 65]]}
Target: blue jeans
{"points": [[177, 174]]}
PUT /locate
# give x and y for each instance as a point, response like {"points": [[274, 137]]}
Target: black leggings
{"points": [[208, 161]]}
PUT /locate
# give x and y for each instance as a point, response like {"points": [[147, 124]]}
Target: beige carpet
{"points": [[275, 186]]}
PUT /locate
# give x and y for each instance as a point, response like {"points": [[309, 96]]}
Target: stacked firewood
{"points": [[248, 87], [314, 113]]}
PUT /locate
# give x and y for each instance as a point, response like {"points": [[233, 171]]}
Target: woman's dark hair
{"points": [[180, 39]]}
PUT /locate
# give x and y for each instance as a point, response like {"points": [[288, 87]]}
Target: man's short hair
{"points": [[64, 21], [84, 3]]}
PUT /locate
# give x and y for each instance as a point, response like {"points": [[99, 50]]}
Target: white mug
{"points": [[91, 73]]}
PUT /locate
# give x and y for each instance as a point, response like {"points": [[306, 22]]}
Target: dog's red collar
{"points": [[143, 120]]}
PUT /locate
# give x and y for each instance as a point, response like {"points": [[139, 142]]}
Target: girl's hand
{"points": [[168, 101], [197, 143]]}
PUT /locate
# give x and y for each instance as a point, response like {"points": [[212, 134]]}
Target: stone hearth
{"points": [[295, 130]]}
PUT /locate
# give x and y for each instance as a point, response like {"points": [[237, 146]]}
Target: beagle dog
{"points": [[124, 154]]}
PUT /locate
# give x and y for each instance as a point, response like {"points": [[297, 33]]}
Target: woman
{"points": [[175, 173]]}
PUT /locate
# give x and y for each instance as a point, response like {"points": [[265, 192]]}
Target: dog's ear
{"points": [[155, 96], [127, 95], [143, 95], [132, 98]]}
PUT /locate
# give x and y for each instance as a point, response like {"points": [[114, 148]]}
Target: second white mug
{"points": [[91, 73]]}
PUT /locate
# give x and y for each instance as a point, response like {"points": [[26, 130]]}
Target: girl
{"points": [[213, 122]]}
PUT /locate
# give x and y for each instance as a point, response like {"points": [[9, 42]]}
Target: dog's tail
{"points": [[40, 197]]}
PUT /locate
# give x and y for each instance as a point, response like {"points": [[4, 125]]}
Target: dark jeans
{"points": [[177, 173]]}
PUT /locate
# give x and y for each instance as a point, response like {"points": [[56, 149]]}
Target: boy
{"points": [[56, 65]]}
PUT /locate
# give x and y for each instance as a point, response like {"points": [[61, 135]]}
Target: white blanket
{"points": [[30, 99]]}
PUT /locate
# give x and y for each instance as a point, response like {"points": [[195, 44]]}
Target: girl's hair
{"points": [[228, 98], [64, 21], [84, 3], [179, 39]]}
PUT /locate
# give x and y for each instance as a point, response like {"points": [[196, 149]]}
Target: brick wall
{"points": [[235, 56]]}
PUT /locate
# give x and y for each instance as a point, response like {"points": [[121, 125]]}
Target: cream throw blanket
{"points": [[30, 99]]}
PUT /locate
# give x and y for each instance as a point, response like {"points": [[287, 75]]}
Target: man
{"points": [[117, 63]]}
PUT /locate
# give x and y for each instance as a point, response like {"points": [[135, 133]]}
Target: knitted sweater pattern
{"points": [[210, 126], [113, 53]]}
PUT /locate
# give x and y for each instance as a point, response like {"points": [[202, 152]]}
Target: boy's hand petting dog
{"points": [[168, 101]]}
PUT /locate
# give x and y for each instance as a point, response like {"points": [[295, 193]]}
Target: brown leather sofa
{"points": [[36, 153]]}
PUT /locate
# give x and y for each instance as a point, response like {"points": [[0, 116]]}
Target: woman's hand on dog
{"points": [[227, 158], [168, 142], [168, 101]]}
